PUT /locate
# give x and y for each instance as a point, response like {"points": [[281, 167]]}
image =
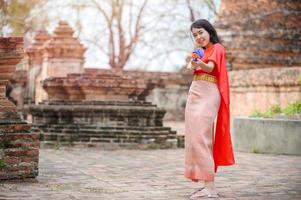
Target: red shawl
{"points": [[222, 147]]}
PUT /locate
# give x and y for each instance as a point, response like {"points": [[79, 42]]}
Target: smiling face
{"points": [[201, 37]]}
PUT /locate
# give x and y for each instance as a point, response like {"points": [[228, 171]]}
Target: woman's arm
{"points": [[200, 64]]}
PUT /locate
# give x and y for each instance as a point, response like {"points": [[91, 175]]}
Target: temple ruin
{"points": [[95, 107], [19, 145]]}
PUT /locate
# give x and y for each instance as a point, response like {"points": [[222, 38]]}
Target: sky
{"points": [[160, 40]]}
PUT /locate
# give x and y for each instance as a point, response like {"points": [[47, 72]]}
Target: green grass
{"points": [[292, 109], [289, 110]]}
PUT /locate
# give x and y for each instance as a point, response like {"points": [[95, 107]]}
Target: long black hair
{"points": [[203, 23]]}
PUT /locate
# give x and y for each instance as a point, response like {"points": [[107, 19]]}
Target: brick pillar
{"points": [[19, 147], [11, 52], [260, 34], [262, 39]]}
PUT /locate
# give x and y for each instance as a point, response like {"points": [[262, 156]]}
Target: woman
{"points": [[208, 97]]}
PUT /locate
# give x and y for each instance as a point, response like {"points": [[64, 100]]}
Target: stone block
{"points": [[262, 135]]}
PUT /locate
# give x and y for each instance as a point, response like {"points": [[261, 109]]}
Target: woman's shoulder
{"points": [[219, 46], [219, 49]]}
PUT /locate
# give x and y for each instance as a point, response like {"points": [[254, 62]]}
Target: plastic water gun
{"points": [[197, 54]]}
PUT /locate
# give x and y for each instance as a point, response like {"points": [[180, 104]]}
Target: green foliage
{"points": [[5, 144], [273, 110], [269, 113], [257, 114], [2, 164], [16, 14], [291, 109], [19, 12]]}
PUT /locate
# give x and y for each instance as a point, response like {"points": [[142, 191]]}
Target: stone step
{"points": [[103, 144], [112, 134], [102, 128], [91, 103], [104, 137]]}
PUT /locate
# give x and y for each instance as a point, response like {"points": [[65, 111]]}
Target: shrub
{"points": [[289, 110], [269, 113], [292, 109]]}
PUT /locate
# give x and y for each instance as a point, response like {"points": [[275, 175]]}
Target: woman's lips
{"points": [[200, 41]]}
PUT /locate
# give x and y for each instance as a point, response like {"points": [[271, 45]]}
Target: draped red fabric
{"points": [[222, 148]]}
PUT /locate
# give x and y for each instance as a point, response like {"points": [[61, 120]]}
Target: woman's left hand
{"points": [[195, 64]]}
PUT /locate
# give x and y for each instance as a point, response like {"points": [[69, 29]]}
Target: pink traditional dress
{"points": [[208, 98]]}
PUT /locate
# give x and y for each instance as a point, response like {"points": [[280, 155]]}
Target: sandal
{"points": [[203, 193], [216, 195], [200, 189]]}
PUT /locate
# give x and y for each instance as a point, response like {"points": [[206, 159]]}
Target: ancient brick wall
{"points": [[263, 44], [19, 146], [259, 89], [261, 33]]}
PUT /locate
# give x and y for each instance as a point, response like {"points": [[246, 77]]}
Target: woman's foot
{"points": [[203, 193]]}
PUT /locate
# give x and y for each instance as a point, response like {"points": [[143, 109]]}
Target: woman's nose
{"points": [[198, 36]]}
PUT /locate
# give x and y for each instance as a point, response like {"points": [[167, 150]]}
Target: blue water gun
{"points": [[197, 54]]}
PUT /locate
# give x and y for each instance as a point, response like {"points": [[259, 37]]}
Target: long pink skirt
{"points": [[201, 109]]}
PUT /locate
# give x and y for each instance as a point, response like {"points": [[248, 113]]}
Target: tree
{"points": [[133, 34], [18, 17], [119, 47]]}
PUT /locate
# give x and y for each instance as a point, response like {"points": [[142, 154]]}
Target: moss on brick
{"points": [[5, 144], [2, 164]]}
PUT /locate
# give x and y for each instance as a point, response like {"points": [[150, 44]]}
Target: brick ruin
{"points": [[168, 89], [94, 107], [19, 145], [263, 45]]}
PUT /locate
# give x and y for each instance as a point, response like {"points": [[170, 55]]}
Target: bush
{"points": [[269, 113], [291, 109]]}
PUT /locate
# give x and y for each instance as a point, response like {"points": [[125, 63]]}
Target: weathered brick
{"points": [[11, 160], [16, 141], [262, 41], [29, 159], [260, 34]]}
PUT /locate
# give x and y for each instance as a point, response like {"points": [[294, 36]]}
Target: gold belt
{"points": [[204, 77]]}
